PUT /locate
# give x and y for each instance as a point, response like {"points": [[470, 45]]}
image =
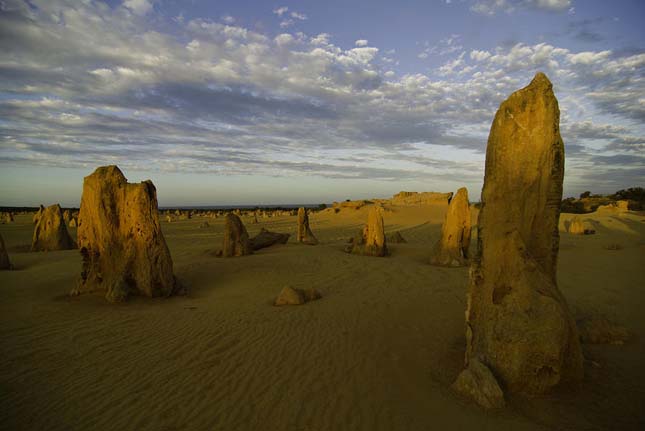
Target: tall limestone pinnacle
{"points": [[517, 321], [452, 247]]}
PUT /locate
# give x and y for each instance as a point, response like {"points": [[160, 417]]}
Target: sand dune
{"points": [[378, 351]]}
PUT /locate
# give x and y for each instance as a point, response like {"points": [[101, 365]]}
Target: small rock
{"points": [[479, 384], [291, 296]]}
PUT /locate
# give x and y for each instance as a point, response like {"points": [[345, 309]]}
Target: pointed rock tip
{"points": [[541, 79], [109, 171]]}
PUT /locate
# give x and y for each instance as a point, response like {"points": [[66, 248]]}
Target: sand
{"points": [[378, 351]]}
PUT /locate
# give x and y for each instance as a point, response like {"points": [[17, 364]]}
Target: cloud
{"points": [[298, 16], [491, 7], [139, 7], [361, 42], [226, 99], [445, 46], [281, 10]]}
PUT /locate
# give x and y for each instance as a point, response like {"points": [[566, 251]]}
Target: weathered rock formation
{"points": [[123, 249], [73, 223], [452, 247], [579, 227], [266, 239], [5, 263], [420, 198], [7, 218], [236, 238], [304, 235], [291, 296], [67, 216], [50, 232], [371, 241], [576, 227], [517, 321]]}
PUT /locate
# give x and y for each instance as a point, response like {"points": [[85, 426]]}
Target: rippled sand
{"points": [[378, 352]]}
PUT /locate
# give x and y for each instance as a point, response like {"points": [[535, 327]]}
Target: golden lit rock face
{"points": [[124, 251], [452, 247], [50, 232], [371, 242], [304, 234], [517, 321], [236, 238]]}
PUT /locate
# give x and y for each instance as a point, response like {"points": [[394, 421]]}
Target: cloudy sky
{"points": [[240, 102]]}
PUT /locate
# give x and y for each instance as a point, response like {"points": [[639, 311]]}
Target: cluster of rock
{"points": [[520, 334], [452, 247], [518, 324], [50, 231], [122, 247]]}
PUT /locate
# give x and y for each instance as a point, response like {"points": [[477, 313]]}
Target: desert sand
{"points": [[378, 351]]}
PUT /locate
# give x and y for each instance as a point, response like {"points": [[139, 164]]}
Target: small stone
{"points": [[478, 383]]}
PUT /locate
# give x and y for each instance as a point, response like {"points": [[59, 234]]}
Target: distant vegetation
{"points": [[588, 202]]}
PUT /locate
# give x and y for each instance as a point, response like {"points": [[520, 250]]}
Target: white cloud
{"points": [[228, 19], [361, 42], [491, 7], [138, 7], [321, 39], [478, 55], [281, 10], [445, 46], [284, 39], [299, 16]]}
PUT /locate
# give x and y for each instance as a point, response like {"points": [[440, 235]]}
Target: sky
{"points": [[287, 102]]}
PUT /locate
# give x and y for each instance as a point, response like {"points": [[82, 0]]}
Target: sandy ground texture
{"points": [[378, 351]]}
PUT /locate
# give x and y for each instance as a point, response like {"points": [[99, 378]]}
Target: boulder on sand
{"points": [[305, 236], [452, 247], [123, 249], [517, 322], [291, 296], [478, 383], [266, 239], [50, 232]]}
